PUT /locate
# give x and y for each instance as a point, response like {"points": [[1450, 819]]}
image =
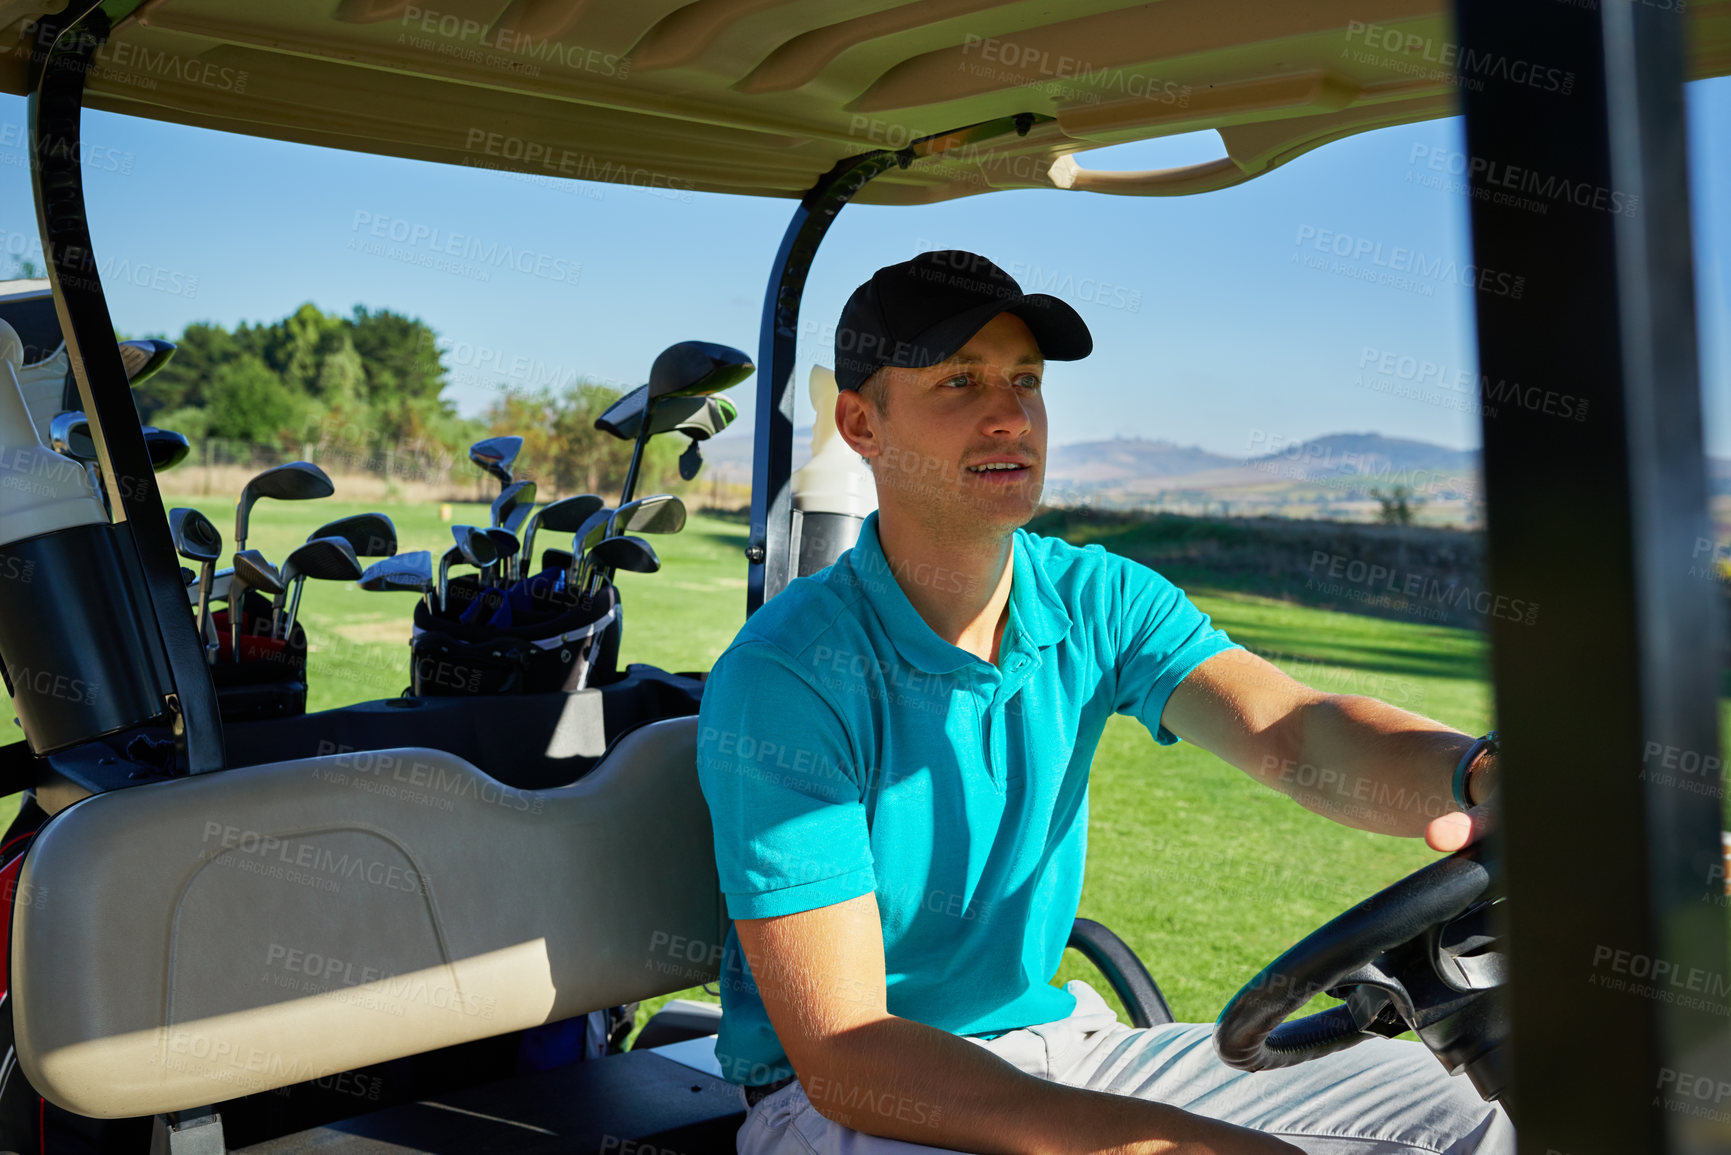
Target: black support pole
{"points": [[63, 51], [1606, 672], [770, 551]]}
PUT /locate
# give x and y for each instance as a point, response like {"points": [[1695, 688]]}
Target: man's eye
{"points": [[1029, 380], [959, 379]]}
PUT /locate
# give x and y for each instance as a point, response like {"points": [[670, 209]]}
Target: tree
{"points": [[1397, 505], [200, 351], [248, 402]]}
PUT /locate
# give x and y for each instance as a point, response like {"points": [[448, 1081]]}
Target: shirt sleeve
{"points": [[785, 798], [1162, 636]]}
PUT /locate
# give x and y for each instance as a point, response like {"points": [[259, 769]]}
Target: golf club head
{"points": [[166, 447], [631, 554], [496, 455], [474, 546], [657, 513], [568, 514], [69, 433], [690, 461], [368, 534], [295, 481], [253, 571], [325, 558], [697, 369], [519, 495], [410, 572], [194, 535], [593, 529], [515, 518], [562, 516], [143, 357], [506, 544]]}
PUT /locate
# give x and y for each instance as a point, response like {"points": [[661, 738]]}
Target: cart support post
{"points": [[64, 52], [1604, 629], [772, 547]]}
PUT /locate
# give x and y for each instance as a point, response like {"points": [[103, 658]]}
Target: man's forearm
{"points": [[901, 1079], [1371, 765]]}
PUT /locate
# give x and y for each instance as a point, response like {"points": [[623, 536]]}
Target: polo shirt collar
{"points": [[1035, 605]]}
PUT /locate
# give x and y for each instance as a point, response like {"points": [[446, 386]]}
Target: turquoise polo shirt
{"points": [[844, 748]]}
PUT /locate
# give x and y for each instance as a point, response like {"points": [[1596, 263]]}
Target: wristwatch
{"points": [[1485, 745]]}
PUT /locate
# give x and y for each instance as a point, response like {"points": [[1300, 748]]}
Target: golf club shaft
{"points": [[206, 576], [236, 599], [294, 605]]}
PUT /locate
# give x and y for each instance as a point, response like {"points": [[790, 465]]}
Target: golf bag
{"points": [[270, 680], [533, 640]]}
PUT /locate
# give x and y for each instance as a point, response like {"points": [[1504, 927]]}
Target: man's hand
{"points": [[1460, 828]]}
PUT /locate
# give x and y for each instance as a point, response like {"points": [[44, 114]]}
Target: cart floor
{"points": [[636, 1103]]}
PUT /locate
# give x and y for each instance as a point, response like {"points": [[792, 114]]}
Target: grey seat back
{"points": [[188, 942]]}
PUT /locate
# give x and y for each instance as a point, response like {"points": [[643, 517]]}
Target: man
{"points": [[895, 754]]}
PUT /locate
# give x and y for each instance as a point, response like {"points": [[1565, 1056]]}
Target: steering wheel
{"points": [[1420, 955]]}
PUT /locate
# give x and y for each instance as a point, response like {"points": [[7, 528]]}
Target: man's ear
{"points": [[855, 421]]}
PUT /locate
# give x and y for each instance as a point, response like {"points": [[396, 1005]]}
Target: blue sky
{"points": [[1209, 326]]}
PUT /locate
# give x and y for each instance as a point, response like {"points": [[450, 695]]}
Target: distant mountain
{"points": [[1329, 476], [1340, 454], [1125, 459]]}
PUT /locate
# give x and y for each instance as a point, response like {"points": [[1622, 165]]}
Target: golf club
{"points": [[251, 571], [473, 547], [496, 455], [517, 495], [563, 516], [196, 539], [699, 418], [506, 544], [631, 554], [402, 573], [658, 513], [327, 558], [69, 433], [593, 529], [368, 534], [296, 481], [166, 447], [687, 369], [143, 357]]}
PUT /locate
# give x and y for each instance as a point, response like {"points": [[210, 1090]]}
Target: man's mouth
{"points": [[1001, 470]]}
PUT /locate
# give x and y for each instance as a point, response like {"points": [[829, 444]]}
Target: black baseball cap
{"points": [[916, 314]]}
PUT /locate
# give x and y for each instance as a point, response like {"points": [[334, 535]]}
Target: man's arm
{"points": [[821, 976], [1359, 761]]}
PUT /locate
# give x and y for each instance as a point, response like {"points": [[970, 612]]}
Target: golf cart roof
{"points": [[743, 96]]}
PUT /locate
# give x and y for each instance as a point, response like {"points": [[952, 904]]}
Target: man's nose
{"points": [[1006, 408]]}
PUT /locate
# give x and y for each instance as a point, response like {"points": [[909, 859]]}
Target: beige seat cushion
{"points": [[184, 943]]}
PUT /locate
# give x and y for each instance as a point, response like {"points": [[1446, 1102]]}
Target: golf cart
{"points": [[356, 858]]}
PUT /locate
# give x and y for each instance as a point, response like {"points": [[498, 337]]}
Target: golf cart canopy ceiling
{"points": [[763, 97]]}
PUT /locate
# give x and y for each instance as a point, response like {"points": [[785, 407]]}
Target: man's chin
{"points": [[1008, 506]]}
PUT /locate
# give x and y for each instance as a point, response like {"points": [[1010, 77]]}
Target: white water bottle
{"points": [[835, 480], [41, 491]]}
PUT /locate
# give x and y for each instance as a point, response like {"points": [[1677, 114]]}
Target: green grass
{"points": [[1207, 875]]}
